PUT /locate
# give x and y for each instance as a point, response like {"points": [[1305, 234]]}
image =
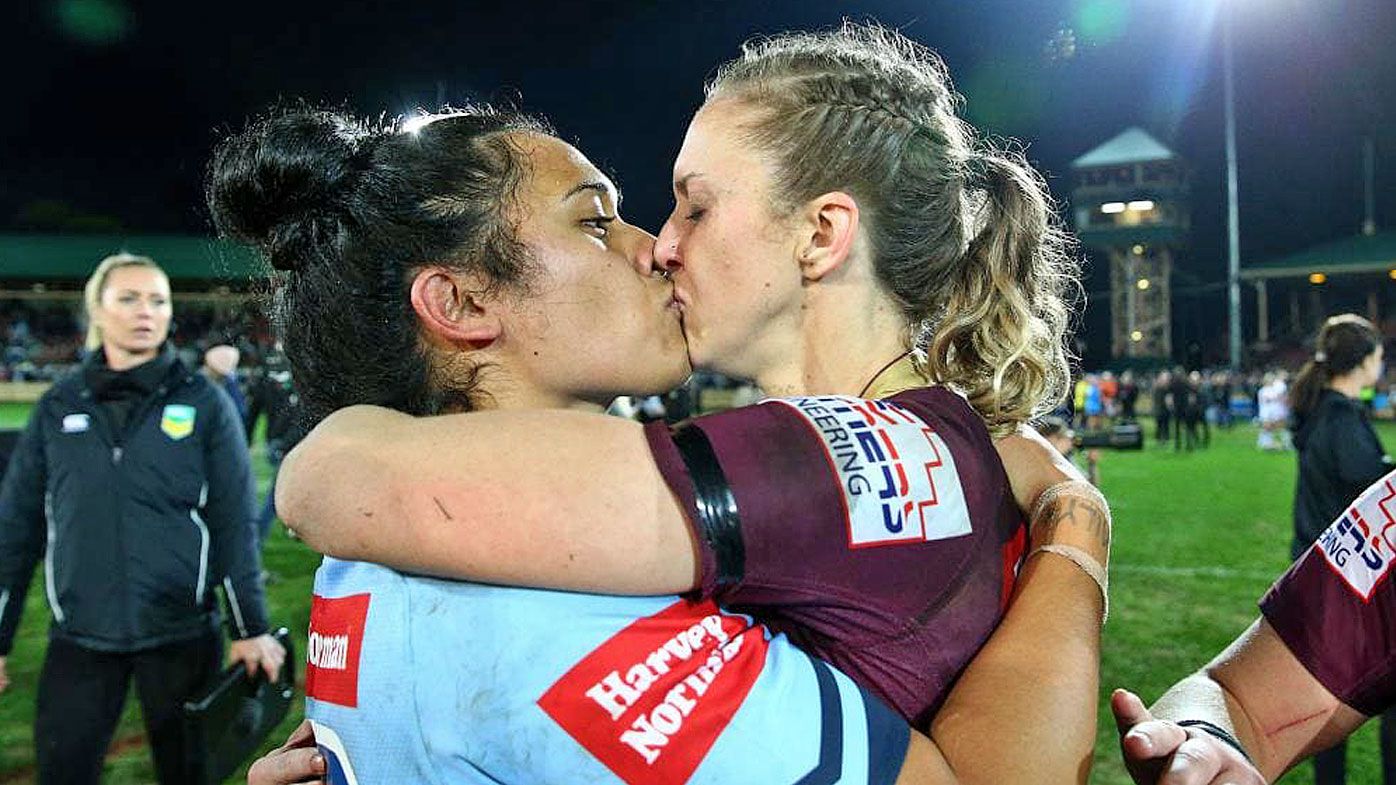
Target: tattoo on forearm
{"points": [[1068, 510]]}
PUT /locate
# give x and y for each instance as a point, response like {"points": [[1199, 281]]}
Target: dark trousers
{"points": [[81, 693], [1330, 766]]}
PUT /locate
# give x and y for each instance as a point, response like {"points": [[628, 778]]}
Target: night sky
{"points": [[113, 105]]}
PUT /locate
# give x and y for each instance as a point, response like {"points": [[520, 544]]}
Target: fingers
{"points": [[1129, 710], [1194, 763], [273, 656], [1204, 760], [1153, 739], [285, 767], [1143, 738]]}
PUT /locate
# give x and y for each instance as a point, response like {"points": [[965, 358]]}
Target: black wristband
{"points": [[1218, 732]]}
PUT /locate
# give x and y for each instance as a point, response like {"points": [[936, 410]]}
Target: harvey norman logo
{"points": [[328, 651], [650, 702], [332, 651], [897, 476], [1361, 545]]}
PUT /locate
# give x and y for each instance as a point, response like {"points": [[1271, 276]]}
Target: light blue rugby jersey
{"points": [[415, 680]]}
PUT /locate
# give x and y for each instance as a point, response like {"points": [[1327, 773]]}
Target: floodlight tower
{"points": [[1130, 202]]}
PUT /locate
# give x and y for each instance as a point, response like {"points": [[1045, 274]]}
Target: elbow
{"points": [[330, 482]]}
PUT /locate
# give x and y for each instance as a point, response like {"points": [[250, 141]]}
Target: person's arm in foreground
{"points": [[1256, 691], [552, 499], [1300, 679]]}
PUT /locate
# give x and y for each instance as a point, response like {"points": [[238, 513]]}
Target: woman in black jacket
{"points": [[132, 481], [1339, 456]]}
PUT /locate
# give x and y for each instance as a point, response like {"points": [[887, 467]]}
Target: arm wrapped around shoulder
{"points": [[1071, 520]]}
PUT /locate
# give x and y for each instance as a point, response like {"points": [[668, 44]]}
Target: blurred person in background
{"points": [[1163, 418], [132, 481], [1129, 397], [1221, 391], [275, 398], [1059, 434], [1339, 456], [1180, 399], [1202, 403], [1272, 408], [221, 367], [1094, 403]]}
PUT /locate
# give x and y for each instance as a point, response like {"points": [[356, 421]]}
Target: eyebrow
{"points": [[596, 186], [681, 184]]}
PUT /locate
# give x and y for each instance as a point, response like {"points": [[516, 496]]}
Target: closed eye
{"points": [[600, 226]]}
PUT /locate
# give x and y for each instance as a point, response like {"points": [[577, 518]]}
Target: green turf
{"points": [[1198, 538]]}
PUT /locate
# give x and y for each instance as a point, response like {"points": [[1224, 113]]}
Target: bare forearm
{"points": [[543, 498], [1257, 691]]}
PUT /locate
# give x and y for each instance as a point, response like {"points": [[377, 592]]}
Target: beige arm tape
{"points": [[1088, 563]]}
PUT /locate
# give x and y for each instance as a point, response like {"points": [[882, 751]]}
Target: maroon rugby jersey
{"points": [[880, 535], [1336, 608]]}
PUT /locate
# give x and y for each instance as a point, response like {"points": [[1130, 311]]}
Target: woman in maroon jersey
{"points": [[816, 267]]}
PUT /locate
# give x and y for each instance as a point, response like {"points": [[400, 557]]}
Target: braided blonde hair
{"points": [[964, 233]]}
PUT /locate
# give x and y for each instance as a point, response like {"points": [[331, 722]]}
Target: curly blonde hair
{"points": [[965, 235]]}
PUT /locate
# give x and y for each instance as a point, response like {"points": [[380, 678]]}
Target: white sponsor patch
{"points": [[897, 476], [1361, 545], [76, 423]]}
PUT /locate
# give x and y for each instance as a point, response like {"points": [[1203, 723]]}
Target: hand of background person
{"points": [[1159, 752], [295, 762], [4, 675], [262, 651]]}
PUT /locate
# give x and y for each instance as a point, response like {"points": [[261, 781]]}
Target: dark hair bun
{"points": [[281, 183]]}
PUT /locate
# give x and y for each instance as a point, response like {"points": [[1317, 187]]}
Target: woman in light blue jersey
{"points": [[476, 326]]}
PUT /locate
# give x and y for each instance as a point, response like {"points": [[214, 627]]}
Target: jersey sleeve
{"points": [[1335, 609], [801, 502]]}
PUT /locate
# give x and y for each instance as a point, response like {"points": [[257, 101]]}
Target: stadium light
{"points": [[1143, 284], [1110, 208], [1392, 274], [1136, 336], [1317, 278], [1141, 205]]}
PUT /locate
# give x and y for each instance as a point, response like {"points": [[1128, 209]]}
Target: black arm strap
{"points": [[718, 521]]}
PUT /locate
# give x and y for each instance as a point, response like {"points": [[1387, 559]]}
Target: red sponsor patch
{"points": [[650, 702], [332, 652]]}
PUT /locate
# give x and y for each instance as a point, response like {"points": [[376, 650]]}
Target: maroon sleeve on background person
{"points": [[1335, 609], [875, 533]]}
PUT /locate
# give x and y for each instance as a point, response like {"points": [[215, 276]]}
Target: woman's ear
{"points": [[830, 231], [454, 309]]}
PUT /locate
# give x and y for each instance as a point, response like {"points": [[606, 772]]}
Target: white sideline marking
{"points": [[1204, 572]]}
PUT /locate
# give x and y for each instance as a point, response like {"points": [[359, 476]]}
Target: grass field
{"points": [[1198, 538]]}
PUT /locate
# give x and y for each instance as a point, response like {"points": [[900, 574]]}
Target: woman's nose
{"points": [[666, 248]]}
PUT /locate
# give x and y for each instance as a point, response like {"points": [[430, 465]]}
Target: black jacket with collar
{"points": [[1339, 456], [135, 525]]}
